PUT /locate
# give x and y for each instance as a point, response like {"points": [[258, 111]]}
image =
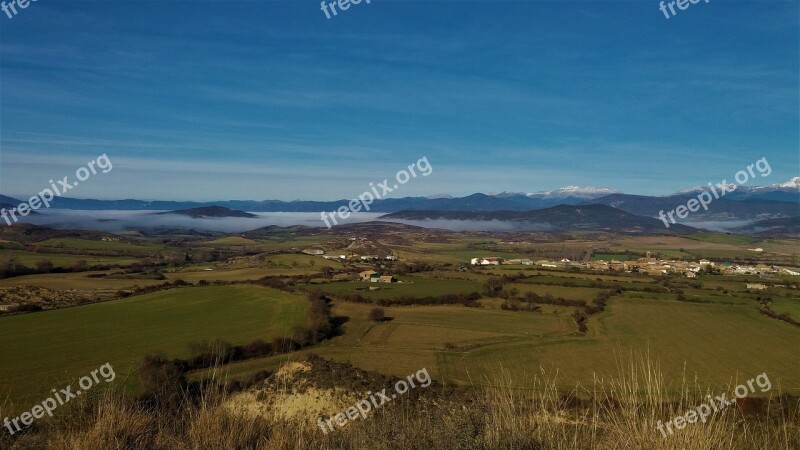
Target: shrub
{"points": [[25, 307], [377, 315], [284, 345], [44, 265], [161, 378]]}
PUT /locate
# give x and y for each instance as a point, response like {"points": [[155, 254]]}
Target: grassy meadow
{"points": [[62, 260], [53, 348], [409, 286], [715, 343]]}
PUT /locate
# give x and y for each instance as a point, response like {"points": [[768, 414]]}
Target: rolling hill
{"points": [[210, 212], [558, 218]]}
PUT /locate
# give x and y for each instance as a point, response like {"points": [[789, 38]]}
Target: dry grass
{"points": [[619, 413]]}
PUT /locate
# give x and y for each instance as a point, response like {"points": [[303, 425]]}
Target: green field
{"points": [[721, 238], [56, 347], [252, 273], [80, 281], [715, 342], [295, 260], [236, 241], [62, 259], [411, 286], [633, 283], [298, 243], [573, 293], [609, 257], [451, 252], [457, 275], [416, 336], [86, 244], [553, 275], [789, 306]]}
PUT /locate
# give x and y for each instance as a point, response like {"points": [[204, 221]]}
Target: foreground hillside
{"points": [[290, 408]]}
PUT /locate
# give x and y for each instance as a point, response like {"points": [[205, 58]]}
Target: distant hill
{"points": [[210, 211], [27, 233], [10, 203], [784, 226], [723, 208], [474, 202], [558, 218]]}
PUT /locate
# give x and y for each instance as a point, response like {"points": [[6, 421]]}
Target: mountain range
{"points": [[745, 203]]}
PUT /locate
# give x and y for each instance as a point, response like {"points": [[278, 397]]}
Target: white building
{"points": [[487, 261]]}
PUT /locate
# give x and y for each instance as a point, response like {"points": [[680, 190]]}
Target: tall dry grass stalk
{"points": [[623, 413], [500, 413]]}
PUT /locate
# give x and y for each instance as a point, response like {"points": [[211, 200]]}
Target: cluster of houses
{"points": [[647, 265], [495, 261], [375, 277], [349, 257]]}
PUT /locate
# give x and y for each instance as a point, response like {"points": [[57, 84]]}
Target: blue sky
{"points": [[212, 100]]}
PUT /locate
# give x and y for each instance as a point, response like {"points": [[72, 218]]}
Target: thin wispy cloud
{"points": [[526, 96]]}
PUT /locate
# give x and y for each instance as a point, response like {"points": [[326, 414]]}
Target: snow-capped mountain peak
{"points": [[574, 191], [563, 192], [793, 183]]}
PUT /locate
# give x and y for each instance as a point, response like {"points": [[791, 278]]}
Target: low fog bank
{"points": [[722, 227], [115, 221], [121, 221]]}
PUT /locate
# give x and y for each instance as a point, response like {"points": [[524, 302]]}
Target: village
{"points": [[648, 265]]}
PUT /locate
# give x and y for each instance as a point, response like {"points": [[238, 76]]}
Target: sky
{"points": [[217, 100]]}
